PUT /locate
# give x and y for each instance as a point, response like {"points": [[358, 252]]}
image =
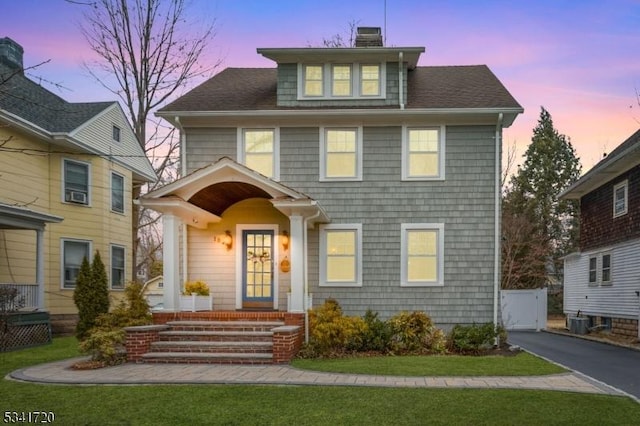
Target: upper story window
{"points": [[117, 192], [423, 153], [116, 133], [341, 154], [422, 254], [313, 80], [370, 80], [117, 267], [258, 150], [620, 198], [73, 251], [76, 182], [341, 81], [341, 255]]}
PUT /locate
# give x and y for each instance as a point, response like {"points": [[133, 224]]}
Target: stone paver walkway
{"points": [[128, 374]]}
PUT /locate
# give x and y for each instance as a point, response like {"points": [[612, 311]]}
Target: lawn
{"points": [[300, 405]]}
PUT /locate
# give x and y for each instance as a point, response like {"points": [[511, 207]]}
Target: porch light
{"points": [[226, 240], [285, 240]]}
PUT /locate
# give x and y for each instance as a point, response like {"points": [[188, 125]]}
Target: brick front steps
{"points": [[217, 338]]}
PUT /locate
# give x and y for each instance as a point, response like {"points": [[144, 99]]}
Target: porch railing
{"points": [[26, 297]]}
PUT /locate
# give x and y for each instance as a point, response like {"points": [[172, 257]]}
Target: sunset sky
{"points": [[578, 59]]}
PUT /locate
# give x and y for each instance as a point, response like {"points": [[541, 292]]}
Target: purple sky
{"points": [[578, 59]]}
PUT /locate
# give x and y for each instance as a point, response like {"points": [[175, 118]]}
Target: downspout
{"points": [[400, 79], [183, 172], [497, 239], [306, 276]]}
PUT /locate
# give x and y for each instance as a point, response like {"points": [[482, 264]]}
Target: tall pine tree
{"points": [[550, 167], [91, 294]]}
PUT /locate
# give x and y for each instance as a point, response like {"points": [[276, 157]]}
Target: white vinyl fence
{"points": [[524, 309]]}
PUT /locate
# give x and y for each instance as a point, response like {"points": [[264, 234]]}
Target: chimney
{"points": [[369, 37], [11, 53]]}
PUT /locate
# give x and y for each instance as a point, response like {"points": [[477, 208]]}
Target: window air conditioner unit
{"points": [[78, 197]]}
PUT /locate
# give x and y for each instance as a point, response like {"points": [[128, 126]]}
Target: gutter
{"points": [[496, 231], [183, 170]]}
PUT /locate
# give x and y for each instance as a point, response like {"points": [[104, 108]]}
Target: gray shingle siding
{"points": [[205, 145]]}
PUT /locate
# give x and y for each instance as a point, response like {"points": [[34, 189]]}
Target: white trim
{"points": [[124, 197], [441, 153], [355, 82], [124, 271], [357, 227], [276, 148], [62, 264], [439, 228], [323, 154], [624, 184], [237, 238], [63, 189]]}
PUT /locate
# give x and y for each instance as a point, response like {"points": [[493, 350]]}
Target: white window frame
{"points": [[591, 270], [111, 269], [324, 230], [441, 153], [405, 228], [625, 185], [599, 258], [324, 154], [350, 80], [64, 183], [356, 82], [276, 147], [602, 268], [303, 79], [112, 175], [63, 268], [361, 80]]}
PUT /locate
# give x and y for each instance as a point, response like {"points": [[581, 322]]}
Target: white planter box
{"points": [[194, 303]]}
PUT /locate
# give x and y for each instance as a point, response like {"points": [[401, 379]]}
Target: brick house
{"points": [[602, 280]]}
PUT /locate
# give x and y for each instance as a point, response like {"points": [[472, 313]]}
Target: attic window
{"points": [[342, 81], [116, 133], [620, 196]]}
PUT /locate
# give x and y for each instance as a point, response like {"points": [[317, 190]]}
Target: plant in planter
{"points": [[195, 297]]}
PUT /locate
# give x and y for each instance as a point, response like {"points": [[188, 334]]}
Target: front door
{"points": [[257, 269]]}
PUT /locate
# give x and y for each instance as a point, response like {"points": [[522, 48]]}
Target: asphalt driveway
{"points": [[613, 365]]}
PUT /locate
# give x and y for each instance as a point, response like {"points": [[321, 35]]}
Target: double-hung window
{"points": [[117, 267], [117, 192], [313, 80], [115, 133], [422, 254], [73, 251], [341, 153], [341, 255], [370, 80], [341, 80], [258, 150], [423, 153], [76, 182], [600, 269], [620, 198], [593, 270]]}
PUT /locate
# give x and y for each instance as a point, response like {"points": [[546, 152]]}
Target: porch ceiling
{"points": [[218, 197]]}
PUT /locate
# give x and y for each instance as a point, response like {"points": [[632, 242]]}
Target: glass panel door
{"points": [[257, 268]]}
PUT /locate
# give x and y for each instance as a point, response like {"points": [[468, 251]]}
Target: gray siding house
{"points": [[346, 173]]}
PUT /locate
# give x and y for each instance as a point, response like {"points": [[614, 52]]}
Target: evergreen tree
{"points": [[91, 294], [550, 167]]}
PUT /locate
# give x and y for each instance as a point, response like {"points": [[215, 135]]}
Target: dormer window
{"points": [[341, 81]]}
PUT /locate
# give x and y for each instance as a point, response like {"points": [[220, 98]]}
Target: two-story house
{"points": [[347, 173], [67, 171], [602, 280]]}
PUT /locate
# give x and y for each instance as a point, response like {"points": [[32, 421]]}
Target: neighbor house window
{"points": [[423, 153], [600, 269], [341, 153], [259, 151], [422, 247], [341, 80], [606, 269], [117, 267], [593, 270], [620, 197], [341, 255], [313, 80], [116, 133], [76, 182], [117, 192], [73, 251], [370, 80]]}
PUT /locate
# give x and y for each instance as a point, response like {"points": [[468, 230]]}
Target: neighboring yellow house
{"points": [[67, 171]]}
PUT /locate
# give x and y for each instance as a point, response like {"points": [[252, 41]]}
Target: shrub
{"points": [[330, 332], [410, 332], [91, 294], [106, 346], [198, 287], [376, 335], [473, 339]]}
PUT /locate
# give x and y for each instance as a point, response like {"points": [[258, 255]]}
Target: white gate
{"points": [[524, 309]]}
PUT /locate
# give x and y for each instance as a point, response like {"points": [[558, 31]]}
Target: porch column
{"points": [[296, 247], [171, 261], [40, 266]]}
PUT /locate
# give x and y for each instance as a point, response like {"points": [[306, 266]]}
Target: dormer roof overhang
{"points": [[410, 55]]}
